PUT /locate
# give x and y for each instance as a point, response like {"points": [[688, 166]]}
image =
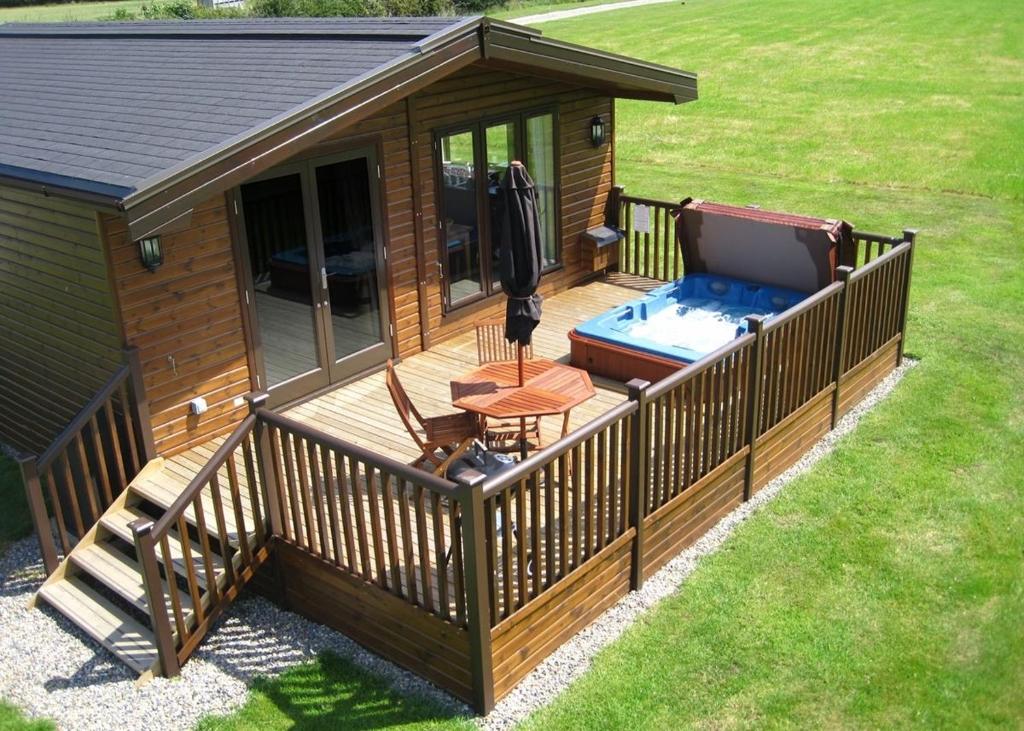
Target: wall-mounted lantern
{"points": [[151, 253], [597, 131]]}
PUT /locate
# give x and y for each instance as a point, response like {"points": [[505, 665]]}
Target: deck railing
{"points": [[555, 510], [90, 463], [649, 247], [215, 558], [696, 419], [380, 520]]}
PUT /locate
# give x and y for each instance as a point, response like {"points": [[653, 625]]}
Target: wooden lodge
{"points": [[213, 237]]}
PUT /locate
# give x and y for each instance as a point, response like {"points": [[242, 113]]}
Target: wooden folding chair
{"points": [[504, 435], [441, 439]]}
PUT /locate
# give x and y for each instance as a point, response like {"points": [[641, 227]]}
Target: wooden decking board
{"points": [[362, 412], [123, 575], [132, 643], [118, 525]]}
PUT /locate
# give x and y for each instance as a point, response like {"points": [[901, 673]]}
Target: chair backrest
{"points": [[406, 410], [491, 344]]}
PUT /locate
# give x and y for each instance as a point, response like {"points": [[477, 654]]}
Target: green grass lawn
{"points": [[67, 12], [884, 588]]}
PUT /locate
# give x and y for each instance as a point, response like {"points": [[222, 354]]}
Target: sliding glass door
{"points": [[315, 258]]}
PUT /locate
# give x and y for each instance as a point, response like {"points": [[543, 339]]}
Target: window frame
{"points": [[490, 284]]}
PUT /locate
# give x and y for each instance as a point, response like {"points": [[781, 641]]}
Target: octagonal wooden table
{"points": [[548, 389]]}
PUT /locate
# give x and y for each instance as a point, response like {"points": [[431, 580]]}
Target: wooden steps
{"points": [[130, 641], [122, 575], [118, 524], [99, 586]]}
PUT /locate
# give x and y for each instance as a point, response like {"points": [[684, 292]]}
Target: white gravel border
{"points": [[50, 669]]}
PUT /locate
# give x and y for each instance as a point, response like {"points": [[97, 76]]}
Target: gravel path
{"points": [[590, 10], [50, 669]]}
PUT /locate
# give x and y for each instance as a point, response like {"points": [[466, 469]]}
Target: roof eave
{"points": [[163, 199]]}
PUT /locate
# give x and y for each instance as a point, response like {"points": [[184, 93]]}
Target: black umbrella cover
{"points": [[521, 257]]}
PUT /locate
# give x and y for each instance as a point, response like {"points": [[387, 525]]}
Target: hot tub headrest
{"points": [[797, 252]]}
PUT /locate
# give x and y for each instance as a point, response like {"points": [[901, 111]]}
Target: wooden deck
{"points": [[363, 413]]}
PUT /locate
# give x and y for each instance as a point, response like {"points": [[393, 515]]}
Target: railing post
{"points": [[612, 206], [910, 236], [265, 463], [478, 609], [755, 325], [37, 509], [145, 550], [638, 476], [141, 405], [843, 275]]}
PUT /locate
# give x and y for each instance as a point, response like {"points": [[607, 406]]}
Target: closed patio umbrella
{"points": [[520, 257]]}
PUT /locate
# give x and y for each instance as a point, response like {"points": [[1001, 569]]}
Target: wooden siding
{"points": [[678, 524], [57, 320], [525, 638], [585, 171], [467, 96], [186, 320], [401, 632], [785, 443]]}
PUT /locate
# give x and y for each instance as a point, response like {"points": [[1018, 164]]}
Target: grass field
{"points": [[884, 588], [67, 12]]}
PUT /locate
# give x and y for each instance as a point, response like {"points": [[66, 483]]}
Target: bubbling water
{"points": [[700, 330]]}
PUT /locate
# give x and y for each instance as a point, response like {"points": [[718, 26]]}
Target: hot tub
{"points": [[673, 325]]}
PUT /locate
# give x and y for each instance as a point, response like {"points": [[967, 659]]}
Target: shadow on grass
{"points": [[332, 693]]}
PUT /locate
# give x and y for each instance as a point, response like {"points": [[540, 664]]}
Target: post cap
{"points": [[755, 322], [470, 478], [141, 526], [256, 400]]}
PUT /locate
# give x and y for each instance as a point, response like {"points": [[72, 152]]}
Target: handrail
{"points": [[647, 201], [202, 478], [876, 238], [82, 418], [389, 465], [696, 368], [892, 253], [541, 457], [802, 306]]}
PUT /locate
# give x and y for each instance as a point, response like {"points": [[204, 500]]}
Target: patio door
{"points": [[315, 257]]}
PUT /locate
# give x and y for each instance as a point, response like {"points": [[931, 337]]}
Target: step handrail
{"points": [[87, 465]]}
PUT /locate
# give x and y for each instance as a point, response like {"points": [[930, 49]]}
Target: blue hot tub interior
{"points": [[689, 318]]}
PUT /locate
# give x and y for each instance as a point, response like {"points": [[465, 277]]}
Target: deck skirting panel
{"points": [[677, 524], [383, 623], [783, 445], [521, 641], [856, 383]]}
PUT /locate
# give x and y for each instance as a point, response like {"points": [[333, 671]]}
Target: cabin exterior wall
{"points": [[186, 318], [59, 338]]}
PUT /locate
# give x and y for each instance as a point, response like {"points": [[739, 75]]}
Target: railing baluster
{"points": [[101, 462], [455, 521], [563, 515], [408, 546], [506, 552], [392, 553], [535, 529], [58, 512], [223, 535], [172, 588], [357, 507], [72, 492], [236, 503], [423, 547], [190, 571], [295, 533], [129, 421], [346, 514], [521, 560], [318, 500], [207, 552], [254, 490], [115, 444], [304, 495], [373, 502], [439, 553]]}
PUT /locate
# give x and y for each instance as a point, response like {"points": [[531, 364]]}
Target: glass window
{"points": [[501, 151], [460, 228], [540, 155], [275, 226]]}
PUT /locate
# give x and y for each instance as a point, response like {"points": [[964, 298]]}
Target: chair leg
{"points": [[456, 453]]}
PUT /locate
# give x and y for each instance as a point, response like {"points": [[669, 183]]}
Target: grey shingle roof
{"points": [[101, 107]]}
